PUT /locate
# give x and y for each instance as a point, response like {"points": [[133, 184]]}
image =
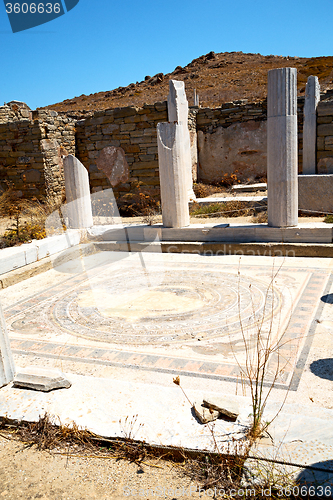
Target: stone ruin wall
{"points": [[30, 152], [231, 140], [134, 130], [325, 136]]}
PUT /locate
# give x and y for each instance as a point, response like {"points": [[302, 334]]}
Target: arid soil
{"points": [[217, 78], [26, 474]]}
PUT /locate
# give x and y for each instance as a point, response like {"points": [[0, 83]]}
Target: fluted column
{"points": [[7, 367], [172, 161], [178, 112], [78, 202], [282, 148], [312, 98]]}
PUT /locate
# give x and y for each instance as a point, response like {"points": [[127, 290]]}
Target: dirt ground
{"points": [[26, 474]]}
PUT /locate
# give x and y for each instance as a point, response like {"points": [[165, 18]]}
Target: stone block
{"points": [[178, 112], [78, 204], [315, 192], [112, 162], [39, 379], [110, 128], [225, 406], [312, 98], [282, 147], [324, 119], [320, 143], [172, 171], [123, 112], [11, 258], [329, 143], [325, 129], [205, 415], [127, 127], [7, 366], [325, 108], [31, 175], [325, 166]]}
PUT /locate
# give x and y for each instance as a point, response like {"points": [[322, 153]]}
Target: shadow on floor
{"points": [[323, 368]]}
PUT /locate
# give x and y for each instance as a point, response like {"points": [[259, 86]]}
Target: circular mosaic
{"points": [[181, 304]]}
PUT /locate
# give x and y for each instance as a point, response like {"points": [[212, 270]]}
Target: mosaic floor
{"points": [[195, 316]]}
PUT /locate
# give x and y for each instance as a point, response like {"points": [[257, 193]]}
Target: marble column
{"points": [[7, 367], [312, 98], [78, 203], [178, 112], [282, 148], [172, 160]]}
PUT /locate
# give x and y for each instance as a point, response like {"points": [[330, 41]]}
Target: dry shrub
{"points": [[226, 209], [260, 217], [142, 201], [202, 190], [27, 218], [46, 435]]}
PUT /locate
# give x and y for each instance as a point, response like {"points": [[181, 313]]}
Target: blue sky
{"points": [[103, 44]]}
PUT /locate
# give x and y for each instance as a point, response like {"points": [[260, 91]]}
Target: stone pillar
{"points": [[7, 367], [312, 98], [178, 112], [172, 161], [78, 208], [282, 154]]}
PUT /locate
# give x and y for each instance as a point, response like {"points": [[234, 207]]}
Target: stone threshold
{"points": [[15, 257], [222, 248], [250, 233]]}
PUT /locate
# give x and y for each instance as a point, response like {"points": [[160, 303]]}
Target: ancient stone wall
{"points": [[134, 130], [232, 140], [325, 135], [15, 110], [30, 152]]}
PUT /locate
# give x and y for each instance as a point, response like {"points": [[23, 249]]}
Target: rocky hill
{"points": [[217, 78]]}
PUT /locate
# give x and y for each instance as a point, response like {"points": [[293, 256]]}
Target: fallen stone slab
{"points": [[224, 406], [39, 379], [205, 415], [261, 186]]}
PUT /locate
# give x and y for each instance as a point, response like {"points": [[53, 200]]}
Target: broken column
{"points": [[178, 112], [78, 209], [7, 367], [312, 98], [172, 161], [282, 151]]}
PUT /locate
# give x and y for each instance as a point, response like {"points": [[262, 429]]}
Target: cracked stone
{"points": [[225, 406], [39, 379], [205, 415]]}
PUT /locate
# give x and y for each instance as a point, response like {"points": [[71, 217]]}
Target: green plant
{"points": [[329, 219]]}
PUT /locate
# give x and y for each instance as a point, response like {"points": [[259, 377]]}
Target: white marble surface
{"points": [[282, 145], [312, 98]]}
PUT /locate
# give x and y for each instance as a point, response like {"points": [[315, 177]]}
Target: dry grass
{"points": [[27, 218], [226, 209], [142, 201], [208, 470], [202, 190]]}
